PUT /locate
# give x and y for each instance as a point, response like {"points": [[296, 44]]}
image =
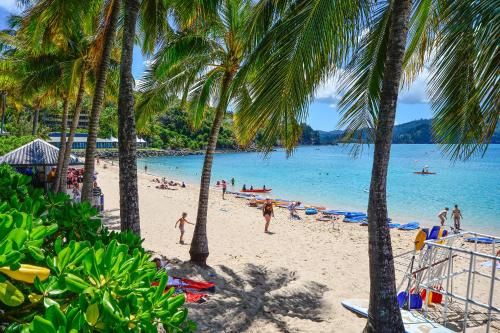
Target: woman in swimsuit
{"points": [[267, 211]]}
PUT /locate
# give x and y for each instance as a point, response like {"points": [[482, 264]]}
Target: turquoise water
{"points": [[329, 176]]}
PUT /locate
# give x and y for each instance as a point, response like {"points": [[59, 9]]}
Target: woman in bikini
{"points": [[267, 211]]}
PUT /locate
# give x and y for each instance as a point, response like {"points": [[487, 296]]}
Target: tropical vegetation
{"points": [[380, 48], [263, 61], [62, 271]]}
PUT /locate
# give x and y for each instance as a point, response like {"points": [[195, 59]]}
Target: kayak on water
{"points": [[258, 190], [424, 173]]}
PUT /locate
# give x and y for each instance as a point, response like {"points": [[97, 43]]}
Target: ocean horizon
{"points": [[330, 176]]}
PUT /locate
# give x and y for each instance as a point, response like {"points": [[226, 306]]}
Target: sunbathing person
{"points": [[253, 201]]}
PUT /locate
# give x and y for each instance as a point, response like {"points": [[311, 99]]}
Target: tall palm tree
{"points": [[127, 146], [199, 63], [453, 36], [110, 20]]}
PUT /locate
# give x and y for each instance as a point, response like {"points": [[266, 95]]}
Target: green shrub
{"points": [[11, 142], [61, 271]]}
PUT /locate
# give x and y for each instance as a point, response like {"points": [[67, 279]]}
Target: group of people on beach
{"points": [[166, 185], [456, 215]]}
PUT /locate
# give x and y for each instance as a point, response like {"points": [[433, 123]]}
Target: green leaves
{"points": [[92, 314], [10, 295], [98, 281]]}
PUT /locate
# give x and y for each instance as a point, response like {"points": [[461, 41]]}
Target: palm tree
{"points": [[199, 62], [50, 33], [454, 37], [129, 197], [110, 21]]}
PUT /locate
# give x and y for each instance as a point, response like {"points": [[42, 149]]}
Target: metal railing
{"points": [[435, 271]]}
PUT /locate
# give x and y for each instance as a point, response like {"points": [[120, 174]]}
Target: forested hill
{"points": [[417, 131]]}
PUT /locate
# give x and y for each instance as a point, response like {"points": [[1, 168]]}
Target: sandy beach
{"points": [[289, 281]]}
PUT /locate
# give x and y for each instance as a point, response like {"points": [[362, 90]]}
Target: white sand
{"points": [[290, 281]]}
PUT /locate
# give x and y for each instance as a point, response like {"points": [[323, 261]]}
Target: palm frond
{"points": [[464, 81], [303, 48]]}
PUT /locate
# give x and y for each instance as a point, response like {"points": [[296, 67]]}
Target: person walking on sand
{"points": [[442, 216], [457, 216], [267, 211], [224, 188], [145, 169], [181, 223]]}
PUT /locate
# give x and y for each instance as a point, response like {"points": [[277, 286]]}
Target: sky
{"points": [[323, 112]]}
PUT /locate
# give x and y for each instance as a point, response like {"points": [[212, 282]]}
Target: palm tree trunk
{"points": [[199, 244], [4, 108], [383, 313], [74, 124], [127, 144], [36, 115], [62, 145], [97, 102]]}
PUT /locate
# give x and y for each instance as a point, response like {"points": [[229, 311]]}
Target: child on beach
{"points": [[181, 223], [442, 216]]}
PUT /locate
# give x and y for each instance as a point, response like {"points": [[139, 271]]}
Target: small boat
{"points": [[257, 190], [424, 173]]}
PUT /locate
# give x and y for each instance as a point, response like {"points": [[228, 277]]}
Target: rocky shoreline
{"points": [[144, 153]]}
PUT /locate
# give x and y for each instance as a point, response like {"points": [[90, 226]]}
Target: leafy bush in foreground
{"points": [[60, 271]]}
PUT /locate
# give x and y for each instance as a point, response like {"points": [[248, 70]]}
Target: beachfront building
{"points": [[53, 120], [80, 141]]}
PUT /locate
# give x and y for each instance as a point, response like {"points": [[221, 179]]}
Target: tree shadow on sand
{"points": [[111, 219], [254, 294]]}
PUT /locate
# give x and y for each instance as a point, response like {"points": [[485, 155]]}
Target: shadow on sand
{"points": [[253, 295]]}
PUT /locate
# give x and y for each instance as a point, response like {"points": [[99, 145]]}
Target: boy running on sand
{"points": [[181, 223]]}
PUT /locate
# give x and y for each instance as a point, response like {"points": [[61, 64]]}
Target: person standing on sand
{"points": [[442, 216], [224, 188], [267, 211], [457, 215], [145, 169], [181, 223]]}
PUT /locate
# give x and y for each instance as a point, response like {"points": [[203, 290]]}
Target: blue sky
{"points": [[323, 113]]}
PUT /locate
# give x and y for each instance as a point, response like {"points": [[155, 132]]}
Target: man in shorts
{"points": [[457, 216]]}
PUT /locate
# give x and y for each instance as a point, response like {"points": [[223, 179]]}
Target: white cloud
{"points": [[328, 92], [11, 6], [416, 94]]}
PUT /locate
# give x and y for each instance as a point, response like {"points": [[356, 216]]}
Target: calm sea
{"points": [[329, 176]]}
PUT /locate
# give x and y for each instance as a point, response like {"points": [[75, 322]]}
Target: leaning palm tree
{"points": [[454, 37], [199, 63], [110, 14]]}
